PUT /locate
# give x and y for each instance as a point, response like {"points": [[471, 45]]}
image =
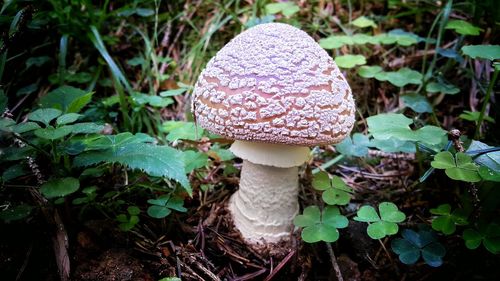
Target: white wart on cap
{"points": [[273, 83]]}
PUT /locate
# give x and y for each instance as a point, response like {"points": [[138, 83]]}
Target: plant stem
{"points": [[334, 262], [477, 134], [328, 164]]}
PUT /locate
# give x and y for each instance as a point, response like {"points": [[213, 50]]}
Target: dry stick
{"points": [[280, 265], [25, 263], [334, 262]]}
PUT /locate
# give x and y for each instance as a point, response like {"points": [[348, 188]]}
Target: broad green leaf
{"points": [[114, 142], [321, 181], [59, 187], [350, 61], [489, 174], [44, 115], [367, 214], [363, 21], [489, 52], [158, 212], [158, 161], [463, 27], [417, 103], [67, 118], [25, 127], [286, 8], [435, 87], [357, 146], [86, 128], [400, 78], [51, 133], [182, 130], [443, 160], [66, 98], [194, 160], [15, 213], [490, 160], [393, 145], [367, 71]]}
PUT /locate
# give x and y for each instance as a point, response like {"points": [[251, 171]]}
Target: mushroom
{"points": [[276, 92]]}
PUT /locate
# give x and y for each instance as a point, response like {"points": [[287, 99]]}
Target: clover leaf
{"points": [[336, 192], [350, 61], [459, 167], [363, 21], [384, 225], [442, 87], [413, 245], [446, 220], [163, 206], [320, 226], [488, 234]]}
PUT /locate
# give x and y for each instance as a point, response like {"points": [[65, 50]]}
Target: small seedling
{"points": [[336, 192], [488, 234], [320, 226], [413, 245], [384, 225], [446, 220]]}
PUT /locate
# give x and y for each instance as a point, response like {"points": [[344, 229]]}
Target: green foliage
{"points": [[441, 87], [458, 167], [488, 52], [59, 187], [338, 41], [487, 234], [163, 206], [413, 245], [336, 192], [66, 98], [14, 213], [363, 22], [417, 103], [463, 27], [350, 61], [474, 116], [182, 130], [384, 225], [446, 221], [288, 9], [355, 146], [320, 225], [129, 220], [400, 78]]}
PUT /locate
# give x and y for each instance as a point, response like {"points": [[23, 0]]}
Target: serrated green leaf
{"points": [[158, 161], [489, 52], [60, 187], [350, 61]]}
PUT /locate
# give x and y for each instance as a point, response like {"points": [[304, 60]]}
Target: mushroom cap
{"points": [[273, 83]]}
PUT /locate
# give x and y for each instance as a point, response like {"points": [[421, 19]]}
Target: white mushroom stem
{"points": [[267, 201]]}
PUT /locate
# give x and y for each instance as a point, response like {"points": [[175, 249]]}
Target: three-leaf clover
{"points": [[446, 221], [336, 191], [383, 225], [488, 234], [320, 226], [415, 244], [459, 167], [128, 222], [163, 206]]}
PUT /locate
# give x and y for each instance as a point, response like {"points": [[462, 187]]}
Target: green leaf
{"points": [[338, 194], [443, 160], [67, 118], [435, 87], [401, 78], [389, 212], [367, 71], [320, 226], [443, 209], [133, 210], [363, 21], [463, 27], [367, 214], [158, 161], [408, 253], [60, 187], [472, 238], [25, 127], [194, 160], [357, 146], [182, 130], [433, 254], [489, 52], [15, 213], [286, 8], [489, 174], [158, 212], [391, 125], [415, 244], [152, 100], [490, 160], [86, 128], [350, 61], [445, 224], [321, 181], [44, 115], [393, 145], [51, 133], [474, 116], [417, 103], [66, 98], [380, 229]]}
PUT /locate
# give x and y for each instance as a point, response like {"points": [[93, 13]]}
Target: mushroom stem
{"points": [[266, 203]]}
